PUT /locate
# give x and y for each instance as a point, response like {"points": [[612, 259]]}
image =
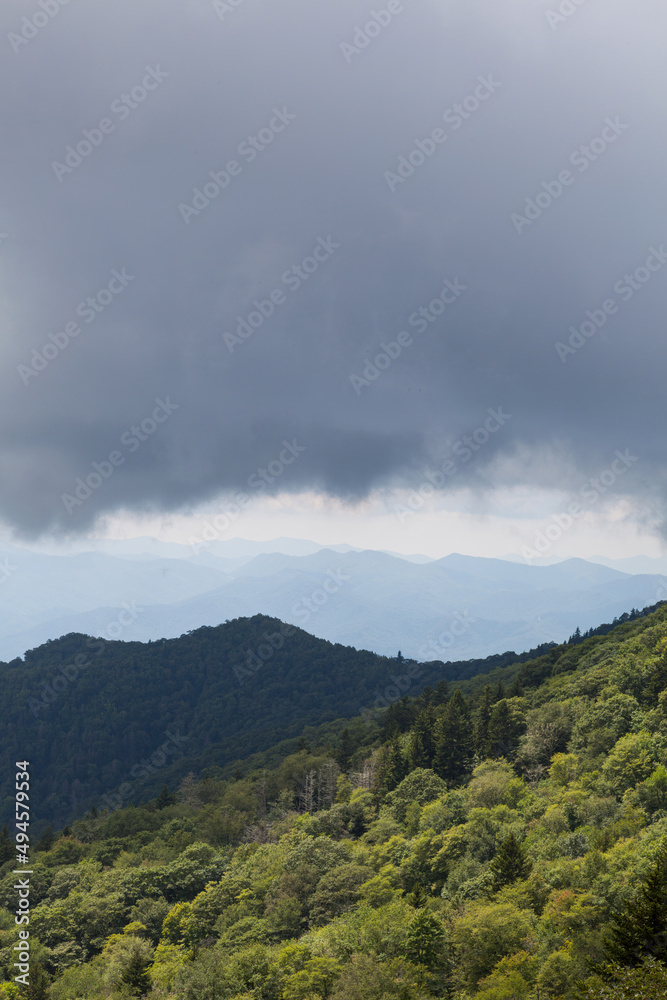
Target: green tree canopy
{"points": [[509, 864]]}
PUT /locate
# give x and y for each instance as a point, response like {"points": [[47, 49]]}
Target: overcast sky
{"points": [[369, 326]]}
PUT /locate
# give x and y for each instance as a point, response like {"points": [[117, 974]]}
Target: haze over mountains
{"points": [[451, 608]]}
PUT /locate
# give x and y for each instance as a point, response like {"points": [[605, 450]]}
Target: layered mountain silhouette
{"points": [[451, 608]]}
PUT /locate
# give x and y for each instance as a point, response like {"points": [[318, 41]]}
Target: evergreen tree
{"points": [[136, 976], [6, 845], [165, 798], [641, 930], [482, 726], [345, 750], [207, 788], [417, 897], [421, 746], [425, 940], [399, 717], [47, 840], [454, 741], [426, 697], [393, 767], [417, 754], [516, 691], [509, 864], [645, 982], [38, 988], [504, 732], [441, 693]]}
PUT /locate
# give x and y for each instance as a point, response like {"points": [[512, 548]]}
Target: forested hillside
{"points": [[102, 719], [498, 839]]}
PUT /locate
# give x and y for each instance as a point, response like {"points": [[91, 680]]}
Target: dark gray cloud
{"points": [[169, 284]]}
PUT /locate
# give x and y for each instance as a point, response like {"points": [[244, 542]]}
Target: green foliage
{"points": [[165, 798], [289, 881], [188, 702], [511, 979], [640, 931], [558, 973], [307, 862], [421, 786], [454, 741], [631, 761], [651, 794], [315, 979], [482, 722], [6, 845], [38, 988], [494, 783], [421, 747], [425, 943], [151, 913], [645, 982], [377, 891], [125, 962], [548, 731], [506, 726], [393, 766], [485, 934], [509, 864], [381, 931], [365, 978], [447, 811], [135, 975], [79, 982], [337, 891], [168, 963], [604, 722]]}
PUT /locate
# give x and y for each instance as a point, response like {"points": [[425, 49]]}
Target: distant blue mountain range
{"points": [[451, 608]]}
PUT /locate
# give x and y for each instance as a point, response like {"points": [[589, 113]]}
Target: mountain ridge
{"points": [[376, 600]]}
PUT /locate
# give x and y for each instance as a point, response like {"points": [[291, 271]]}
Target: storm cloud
{"points": [[354, 228]]}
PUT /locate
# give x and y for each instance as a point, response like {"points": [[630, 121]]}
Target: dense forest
{"points": [[501, 837], [104, 721]]}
